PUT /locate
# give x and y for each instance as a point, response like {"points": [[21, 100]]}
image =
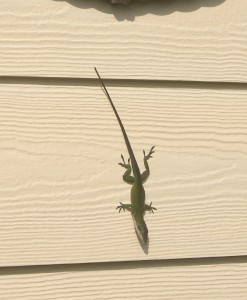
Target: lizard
{"points": [[138, 207]]}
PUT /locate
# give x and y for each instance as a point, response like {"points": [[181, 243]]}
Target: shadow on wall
{"points": [[140, 8]]}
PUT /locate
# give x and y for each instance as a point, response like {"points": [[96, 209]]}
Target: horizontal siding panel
{"points": [[60, 180], [202, 282], [170, 40]]}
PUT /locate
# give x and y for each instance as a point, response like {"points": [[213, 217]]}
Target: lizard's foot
{"points": [[150, 208], [123, 207], [124, 165], [146, 157]]}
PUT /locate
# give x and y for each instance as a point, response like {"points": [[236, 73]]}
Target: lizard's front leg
{"points": [[123, 207], [146, 173], [126, 176], [150, 208]]}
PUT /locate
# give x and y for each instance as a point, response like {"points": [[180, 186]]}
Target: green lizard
{"points": [[137, 206]]}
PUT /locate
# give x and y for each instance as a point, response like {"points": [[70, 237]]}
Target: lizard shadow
{"points": [[138, 8]]}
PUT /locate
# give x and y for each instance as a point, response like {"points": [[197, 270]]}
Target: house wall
{"points": [[177, 74]]}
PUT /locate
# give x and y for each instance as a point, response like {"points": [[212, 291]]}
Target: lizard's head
{"points": [[141, 231]]}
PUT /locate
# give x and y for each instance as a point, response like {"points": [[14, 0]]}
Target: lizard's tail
{"points": [[135, 167]]}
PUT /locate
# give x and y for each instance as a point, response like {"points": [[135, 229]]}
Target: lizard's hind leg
{"points": [[146, 173], [126, 176]]}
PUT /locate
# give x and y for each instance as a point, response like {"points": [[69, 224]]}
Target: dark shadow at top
{"points": [[139, 8]]}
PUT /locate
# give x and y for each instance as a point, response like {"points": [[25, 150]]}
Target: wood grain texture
{"points": [[181, 282], [60, 181], [199, 40]]}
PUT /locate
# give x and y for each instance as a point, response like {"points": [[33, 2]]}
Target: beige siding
{"points": [[60, 181], [204, 282], [182, 40], [177, 74]]}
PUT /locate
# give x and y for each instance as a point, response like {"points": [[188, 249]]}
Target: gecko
{"points": [[138, 207]]}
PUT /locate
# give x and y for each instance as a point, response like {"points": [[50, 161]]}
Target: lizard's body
{"points": [[137, 206]]}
